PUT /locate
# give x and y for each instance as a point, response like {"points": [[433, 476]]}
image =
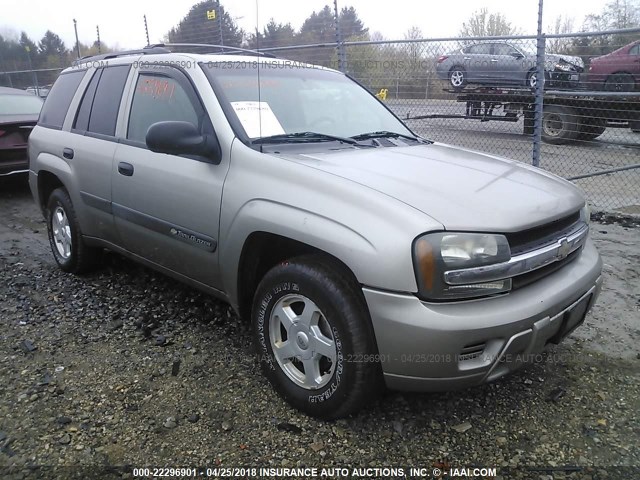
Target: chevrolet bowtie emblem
{"points": [[563, 249]]}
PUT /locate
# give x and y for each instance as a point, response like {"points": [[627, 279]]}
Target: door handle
{"points": [[125, 169], [67, 153]]}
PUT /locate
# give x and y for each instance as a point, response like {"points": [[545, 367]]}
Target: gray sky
{"points": [[121, 21]]}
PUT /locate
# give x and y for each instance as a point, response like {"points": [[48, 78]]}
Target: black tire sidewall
{"points": [[302, 280], [620, 82]]}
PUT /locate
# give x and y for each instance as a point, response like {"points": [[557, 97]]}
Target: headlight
{"points": [[565, 67], [436, 253]]}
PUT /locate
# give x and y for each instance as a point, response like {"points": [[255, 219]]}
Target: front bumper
{"points": [[430, 347], [562, 79]]}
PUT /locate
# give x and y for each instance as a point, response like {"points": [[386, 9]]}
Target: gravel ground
{"points": [[127, 368]]}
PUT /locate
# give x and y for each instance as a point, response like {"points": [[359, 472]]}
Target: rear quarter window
{"points": [[57, 103]]}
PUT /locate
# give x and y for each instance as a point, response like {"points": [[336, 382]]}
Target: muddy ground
{"points": [[126, 368]]}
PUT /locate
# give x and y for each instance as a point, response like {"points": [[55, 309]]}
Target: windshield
{"points": [[20, 105], [297, 98]]}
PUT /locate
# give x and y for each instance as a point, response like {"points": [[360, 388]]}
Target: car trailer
{"points": [[568, 114]]}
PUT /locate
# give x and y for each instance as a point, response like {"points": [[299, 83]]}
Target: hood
{"points": [[557, 58], [461, 189]]}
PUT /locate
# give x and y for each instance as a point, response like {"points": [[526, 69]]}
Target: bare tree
{"points": [[485, 24], [622, 13], [413, 49], [561, 25], [616, 14]]}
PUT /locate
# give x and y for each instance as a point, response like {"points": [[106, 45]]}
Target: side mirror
{"points": [[517, 56], [183, 138]]}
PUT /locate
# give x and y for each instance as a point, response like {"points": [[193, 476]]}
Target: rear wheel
{"points": [[314, 338], [457, 78], [68, 247], [559, 124], [591, 128], [619, 82]]}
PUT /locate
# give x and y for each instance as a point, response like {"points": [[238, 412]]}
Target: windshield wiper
{"points": [[385, 134], [303, 137]]}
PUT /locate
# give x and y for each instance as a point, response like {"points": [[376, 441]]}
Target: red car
{"points": [[618, 71], [19, 112]]}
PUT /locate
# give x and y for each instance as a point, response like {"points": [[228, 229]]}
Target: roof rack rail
{"points": [[209, 45], [148, 50]]}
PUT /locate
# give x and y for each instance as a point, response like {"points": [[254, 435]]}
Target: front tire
{"points": [[314, 338], [65, 237], [532, 80]]}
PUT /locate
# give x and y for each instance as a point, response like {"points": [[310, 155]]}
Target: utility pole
{"points": [[220, 23], [339, 43], [98, 32], [146, 29], [75, 27], [539, 90], [35, 77]]}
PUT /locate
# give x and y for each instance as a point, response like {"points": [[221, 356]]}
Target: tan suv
{"points": [[362, 253]]}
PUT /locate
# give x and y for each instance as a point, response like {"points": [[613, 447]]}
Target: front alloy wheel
{"points": [[302, 342], [314, 337]]}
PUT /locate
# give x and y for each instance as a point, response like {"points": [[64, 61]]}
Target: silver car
{"points": [[503, 64], [362, 254]]}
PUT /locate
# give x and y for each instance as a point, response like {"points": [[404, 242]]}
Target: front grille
{"points": [[528, 278], [537, 237]]}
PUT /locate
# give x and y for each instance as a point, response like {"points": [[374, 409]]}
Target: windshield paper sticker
{"points": [[252, 114]]}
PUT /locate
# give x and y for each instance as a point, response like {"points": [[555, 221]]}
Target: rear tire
{"points": [[559, 124], [457, 78], [591, 128], [65, 237], [314, 338]]}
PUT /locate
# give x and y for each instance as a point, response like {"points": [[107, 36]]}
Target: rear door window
{"points": [[480, 49], [104, 112], [502, 49], [55, 107], [81, 121], [98, 110]]}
